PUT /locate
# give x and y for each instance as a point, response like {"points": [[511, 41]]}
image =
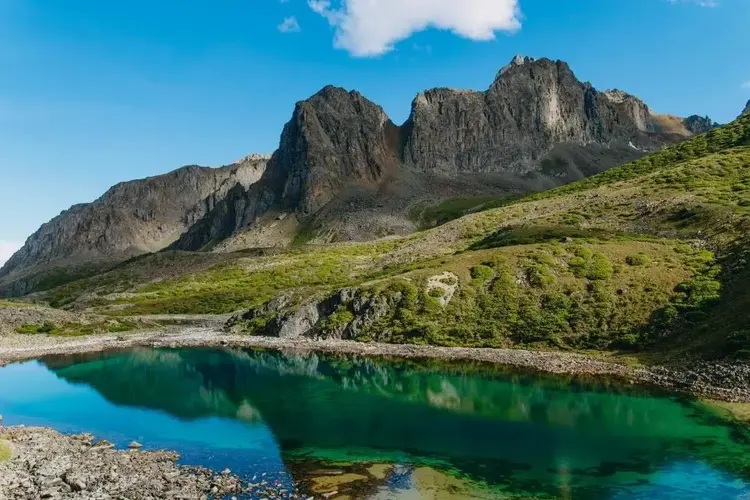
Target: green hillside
{"points": [[650, 256]]}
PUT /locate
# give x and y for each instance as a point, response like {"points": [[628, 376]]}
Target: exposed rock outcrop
{"points": [[346, 314], [747, 109], [530, 107], [697, 125]]}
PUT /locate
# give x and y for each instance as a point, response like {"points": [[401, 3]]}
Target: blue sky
{"points": [[96, 92]]}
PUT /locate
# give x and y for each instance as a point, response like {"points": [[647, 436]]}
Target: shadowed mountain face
{"points": [[747, 109], [511, 430], [346, 171]]}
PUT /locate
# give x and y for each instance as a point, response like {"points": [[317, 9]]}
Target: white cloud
{"points": [[289, 25], [8, 248], [746, 85], [371, 27]]}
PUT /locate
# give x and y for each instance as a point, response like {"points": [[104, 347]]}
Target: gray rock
{"points": [[286, 319], [699, 124]]}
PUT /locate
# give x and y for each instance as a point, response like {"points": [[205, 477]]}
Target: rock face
{"points": [[531, 107], [334, 138], [537, 126], [346, 314], [130, 219], [747, 109], [697, 125]]}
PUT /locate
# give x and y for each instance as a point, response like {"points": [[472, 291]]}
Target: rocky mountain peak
{"points": [[253, 157], [747, 109], [696, 124], [333, 138], [618, 96], [517, 61]]}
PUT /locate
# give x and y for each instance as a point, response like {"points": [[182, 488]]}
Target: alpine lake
{"points": [[390, 429]]}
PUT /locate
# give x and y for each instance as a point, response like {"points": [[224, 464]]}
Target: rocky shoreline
{"points": [[45, 464], [721, 381]]}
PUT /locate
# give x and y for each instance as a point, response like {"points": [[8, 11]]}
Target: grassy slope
{"points": [[646, 255]]}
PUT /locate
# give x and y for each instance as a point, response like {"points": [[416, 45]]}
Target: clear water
{"points": [[507, 434]]}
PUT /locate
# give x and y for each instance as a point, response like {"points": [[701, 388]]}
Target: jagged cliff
{"points": [[342, 163], [344, 170], [530, 107], [334, 139], [130, 219]]}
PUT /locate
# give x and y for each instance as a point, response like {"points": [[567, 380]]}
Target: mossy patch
{"points": [[5, 451], [76, 329]]}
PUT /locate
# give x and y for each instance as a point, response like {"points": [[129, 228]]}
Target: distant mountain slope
{"points": [[130, 219]]}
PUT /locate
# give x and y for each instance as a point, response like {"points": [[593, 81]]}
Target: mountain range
{"points": [[344, 171]]}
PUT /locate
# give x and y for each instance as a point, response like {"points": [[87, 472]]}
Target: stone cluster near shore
{"points": [[45, 464]]}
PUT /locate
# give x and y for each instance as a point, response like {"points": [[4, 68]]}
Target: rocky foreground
{"points": [[45, 464]]}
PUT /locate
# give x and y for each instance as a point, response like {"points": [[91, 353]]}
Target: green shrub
{"points": [[600, 268], [539, 275], [577, 266], [5, 452], [583, 252], [639, 259], [341, 317], [46, 327], [482, 273]]}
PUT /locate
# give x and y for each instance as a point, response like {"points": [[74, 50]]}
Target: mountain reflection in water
{"points": [[518, 434]]}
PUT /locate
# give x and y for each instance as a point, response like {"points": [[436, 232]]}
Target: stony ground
{"points": [[47, 464], [14, 315]]}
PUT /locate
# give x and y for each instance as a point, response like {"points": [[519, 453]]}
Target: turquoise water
{"points": [[510, 434]]}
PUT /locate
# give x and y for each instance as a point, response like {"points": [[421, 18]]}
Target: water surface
{"points": [[434, 430]]}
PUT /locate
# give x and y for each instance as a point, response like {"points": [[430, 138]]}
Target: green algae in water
{"points": [[511, 434]]}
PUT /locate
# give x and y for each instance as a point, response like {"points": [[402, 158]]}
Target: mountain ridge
{"points": [[344, 170], [536, 126]]}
